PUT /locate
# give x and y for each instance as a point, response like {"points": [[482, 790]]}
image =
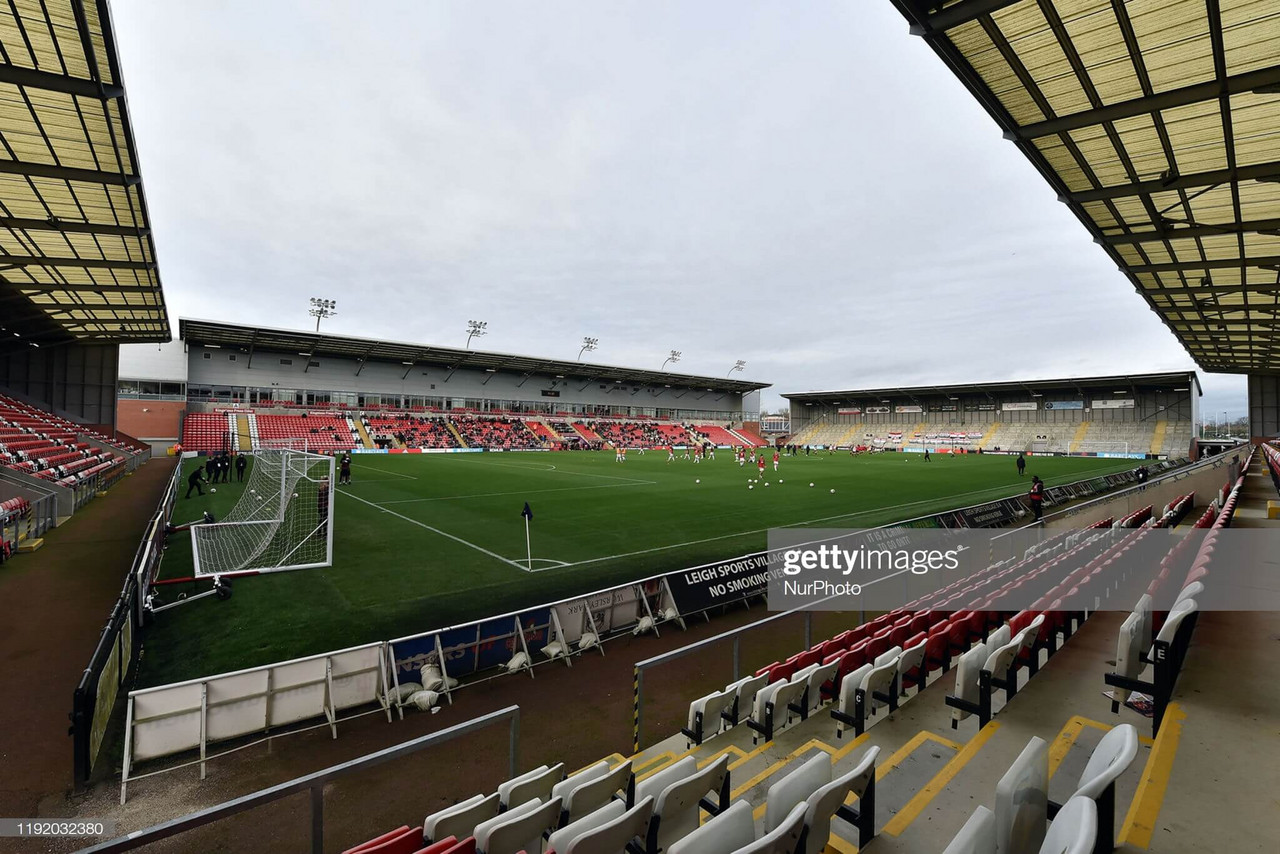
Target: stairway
{"points": [[1157, 440], [243, 433], [1081, 432], [363, 433], [454, 430]]}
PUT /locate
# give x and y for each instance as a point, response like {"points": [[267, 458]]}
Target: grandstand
{"points": [[1139, 415], [1096, 682]]}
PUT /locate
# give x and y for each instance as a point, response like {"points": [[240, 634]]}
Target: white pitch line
{"points": [[446, 534], [501, 494], [390, 472]]}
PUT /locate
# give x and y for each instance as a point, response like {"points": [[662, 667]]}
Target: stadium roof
{"points": [[1175, 380], [76, 257], [313, 344], [1158, 123]]}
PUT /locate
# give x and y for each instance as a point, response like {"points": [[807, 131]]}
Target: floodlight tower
{"points": [[588, 345], [674, 357], [322, 308], [737, 366], [475, 328]]}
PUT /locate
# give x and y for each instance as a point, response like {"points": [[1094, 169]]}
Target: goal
{"points": [[283, 520]]}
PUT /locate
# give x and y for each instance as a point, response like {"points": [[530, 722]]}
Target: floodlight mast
{"points": [[674, 357], [737, 366], [322, 308], [588, 345], [476, 328]]}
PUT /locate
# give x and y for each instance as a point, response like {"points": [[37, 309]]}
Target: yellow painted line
{"points": [[922, 798], [836, 845], [1140, 821], [1061, 745], [812, 744], [1142, 739], [655, 764], [614, 760]]}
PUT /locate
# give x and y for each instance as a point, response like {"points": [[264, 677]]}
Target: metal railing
{"points": [[314, 784], [735, 634]]}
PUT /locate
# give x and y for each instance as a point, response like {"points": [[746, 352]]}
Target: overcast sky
{"points": [[805, 187]]}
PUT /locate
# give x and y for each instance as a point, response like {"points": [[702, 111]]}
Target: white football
{"points": [[833, 492], [811, 484], [766, 483], [213, 489], [779, 480], [697, 481], [295, 495], [749, 486]]}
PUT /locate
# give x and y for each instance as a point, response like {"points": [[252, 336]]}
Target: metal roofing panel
{"points": [[75, 242], [1158, 123]]}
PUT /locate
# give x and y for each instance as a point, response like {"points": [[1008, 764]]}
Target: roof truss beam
{"points": [[954, 16], [1210, 90], [78, 86], [88, 263], [1258, 172], [66, 173], [73, 227], [1265, 262], [1192, 230]]}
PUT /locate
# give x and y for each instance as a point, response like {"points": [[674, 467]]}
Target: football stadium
{"points": [[964, 575]]}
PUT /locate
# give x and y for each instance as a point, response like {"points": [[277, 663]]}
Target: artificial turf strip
{"points": [[427, 541]]}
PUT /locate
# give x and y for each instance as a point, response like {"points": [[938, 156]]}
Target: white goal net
{"points": [[283, 520]]}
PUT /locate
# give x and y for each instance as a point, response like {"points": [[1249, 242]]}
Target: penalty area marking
{"points": [[445, 534]]}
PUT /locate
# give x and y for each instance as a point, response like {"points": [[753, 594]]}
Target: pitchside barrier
{"points": [[189, 716], [274, 836], [111, 664]]}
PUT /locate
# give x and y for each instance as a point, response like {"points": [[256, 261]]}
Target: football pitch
{"points": [[426, 541]]}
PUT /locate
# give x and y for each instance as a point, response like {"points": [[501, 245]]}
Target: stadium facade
{"points": [[216, 365], [1136, 414]]}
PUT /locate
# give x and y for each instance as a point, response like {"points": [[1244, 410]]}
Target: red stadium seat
{"points": [[403, 840], [439, 846], [464, 846]]}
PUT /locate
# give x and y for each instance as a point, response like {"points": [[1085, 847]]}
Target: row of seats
{"points": [[320, 432], [412, 431], [1025, 821], [205, 431], [507, 433], [603, 809], [15, 413], [12, 511]]}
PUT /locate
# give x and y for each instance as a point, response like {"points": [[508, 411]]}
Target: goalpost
{"points": [[283, 520]]}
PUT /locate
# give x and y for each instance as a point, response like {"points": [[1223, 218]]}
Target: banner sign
{"points": [[1064, 404], [1113, 403], [991, 515], [704, 587], [1018, 406], [911, 407], [984, 407], [877, 410], [947, 407], [849, 410], [550, 392]]}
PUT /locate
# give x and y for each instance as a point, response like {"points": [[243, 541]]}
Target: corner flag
{"points": [[528, 515]]}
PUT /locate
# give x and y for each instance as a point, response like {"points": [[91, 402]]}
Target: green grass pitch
{"points": [[426, 541]]}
